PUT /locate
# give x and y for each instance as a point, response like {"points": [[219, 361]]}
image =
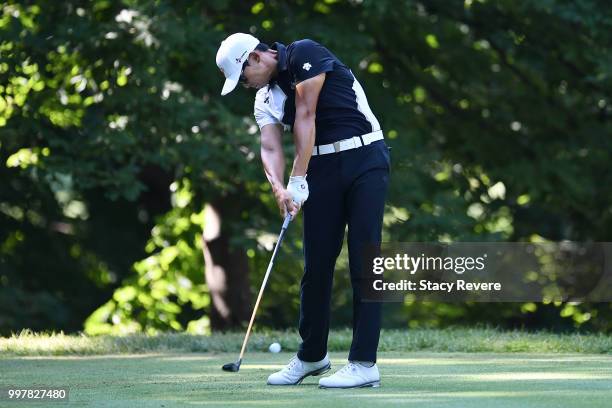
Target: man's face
{"points": [[256, 73]]}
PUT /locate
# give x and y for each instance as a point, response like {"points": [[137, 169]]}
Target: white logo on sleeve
{"points": [[307, 66]]}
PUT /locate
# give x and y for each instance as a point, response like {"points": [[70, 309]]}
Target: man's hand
{"points": [[285, 202], [298, 188]]}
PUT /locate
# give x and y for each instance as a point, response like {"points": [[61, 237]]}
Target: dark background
{"points": [[116, 151]]}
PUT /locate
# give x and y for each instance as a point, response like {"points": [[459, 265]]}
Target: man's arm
{"points": [[306, 98], [273, 160], [272, 155]]}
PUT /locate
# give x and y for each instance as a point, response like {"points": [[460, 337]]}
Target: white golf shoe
{"points": [[297, 370], [352, 375]]}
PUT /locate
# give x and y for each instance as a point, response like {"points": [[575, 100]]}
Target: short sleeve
{"points": [[263, 118], [262, 113], [309, 59]]}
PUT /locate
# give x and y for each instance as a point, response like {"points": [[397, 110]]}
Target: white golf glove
{"points": [[298, 188]]}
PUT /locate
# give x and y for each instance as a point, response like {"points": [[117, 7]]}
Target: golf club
{"points": [[234, 367]]}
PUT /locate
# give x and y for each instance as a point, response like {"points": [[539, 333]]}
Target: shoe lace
{"points": [[292, 363], [350, 367]]}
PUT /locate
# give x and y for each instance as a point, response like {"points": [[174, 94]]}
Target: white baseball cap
{"points": [[232, 53]]}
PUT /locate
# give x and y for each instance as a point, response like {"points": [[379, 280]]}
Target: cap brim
{"points": [[229, 85]]}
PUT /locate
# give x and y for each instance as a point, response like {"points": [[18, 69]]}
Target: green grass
{"points": [[419, 379], [441, 368], [449, 340]]}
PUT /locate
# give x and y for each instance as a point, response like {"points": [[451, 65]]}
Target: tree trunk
{"points": [[226, 272]]}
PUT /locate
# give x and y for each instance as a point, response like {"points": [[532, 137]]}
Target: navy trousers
{"points": [[346, 188]]}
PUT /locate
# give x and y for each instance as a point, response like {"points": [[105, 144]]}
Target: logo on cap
{"points": [[239, 59], [307, 66]]}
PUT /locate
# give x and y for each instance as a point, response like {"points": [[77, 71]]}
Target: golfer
{"points": [[339, 177]]}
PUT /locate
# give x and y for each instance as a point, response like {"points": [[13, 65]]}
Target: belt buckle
{"points": [[336, 146]]}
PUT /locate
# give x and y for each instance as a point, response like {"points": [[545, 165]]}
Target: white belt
{"points": [[348, 144]]}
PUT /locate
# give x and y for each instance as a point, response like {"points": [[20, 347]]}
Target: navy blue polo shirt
{"points": [[342, 108]]}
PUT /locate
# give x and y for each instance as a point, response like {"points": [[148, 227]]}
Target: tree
{"points": [[114, 139]]}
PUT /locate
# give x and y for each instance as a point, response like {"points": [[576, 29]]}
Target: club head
{"points": [[232, 367]]}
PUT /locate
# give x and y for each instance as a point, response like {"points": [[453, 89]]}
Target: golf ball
{"points": [[274, 348]]}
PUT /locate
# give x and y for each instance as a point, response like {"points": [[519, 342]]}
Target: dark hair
{"points": [[262, 47]]}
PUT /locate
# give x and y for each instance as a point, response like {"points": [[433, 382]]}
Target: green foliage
{"points": [[498, 114], [91, 153], [167, 292]]}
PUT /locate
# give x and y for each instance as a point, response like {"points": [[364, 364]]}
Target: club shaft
{"points": [[263, 284]]}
